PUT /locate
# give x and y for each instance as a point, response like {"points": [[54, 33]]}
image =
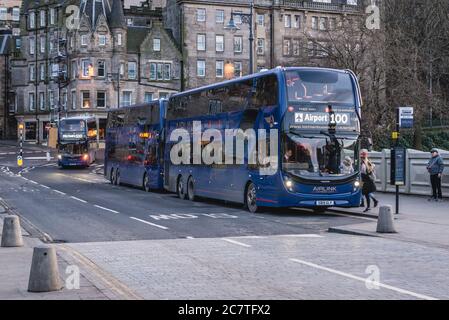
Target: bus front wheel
{"points": [[190, 190], [181, 188], [251, 198]]}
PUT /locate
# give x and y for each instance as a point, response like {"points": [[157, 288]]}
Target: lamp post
{"points": [[116, 78], [246, 18]]}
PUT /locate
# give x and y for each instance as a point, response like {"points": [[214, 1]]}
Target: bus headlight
{"points": [[59, 156], [289, 184], [357, 184], [85, 157]]}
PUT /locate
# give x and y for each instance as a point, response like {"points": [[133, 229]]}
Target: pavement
{"points": [[418, 221]]}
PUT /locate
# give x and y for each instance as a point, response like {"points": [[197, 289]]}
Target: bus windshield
{"points": [[319, 86], [319, 156], [73, 125]]}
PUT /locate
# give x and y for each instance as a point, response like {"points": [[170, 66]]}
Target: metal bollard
{"points": [[12, 233], [385, 221], [44, 273]]}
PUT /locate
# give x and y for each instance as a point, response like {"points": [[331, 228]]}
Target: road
{"points": [[161, 247]]}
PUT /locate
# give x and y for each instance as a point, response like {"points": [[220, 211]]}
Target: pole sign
{"points": [[20, 155], [405, 117], [397, 171]]}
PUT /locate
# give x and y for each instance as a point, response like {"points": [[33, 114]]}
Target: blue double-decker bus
{"points": [[311, 120], [77, 141], [134, 145]]}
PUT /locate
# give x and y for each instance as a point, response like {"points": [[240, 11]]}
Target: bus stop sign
{"points": [[405, 117], [397, 172]]}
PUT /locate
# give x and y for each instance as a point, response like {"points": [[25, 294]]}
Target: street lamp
{"points": [[248, 19], [116, 78]]}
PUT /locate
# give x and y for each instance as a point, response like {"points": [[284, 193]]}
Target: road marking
{"points": [[236, 242], [37, 158], [33, 182], [43, 186], [78, 199], [374, 283], [62, 193], [301, 235], [149, 223], [190, 238], [103, 208]]}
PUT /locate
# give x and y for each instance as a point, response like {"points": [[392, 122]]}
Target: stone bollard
{"points": [[48, 156], [385, 220], [44, 273], [12, 233]]}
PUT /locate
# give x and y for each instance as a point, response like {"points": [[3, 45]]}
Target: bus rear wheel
{"points": [[251, 198], [146, 183], [181, 188], [191, 190], [112, 176], [117, 177]]}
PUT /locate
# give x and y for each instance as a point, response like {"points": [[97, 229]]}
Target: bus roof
{"points": [[79, 118], [146, 104], [276, 71]]}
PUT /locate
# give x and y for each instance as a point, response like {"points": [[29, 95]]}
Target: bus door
{"points": [[135, 169], [152, 160]]}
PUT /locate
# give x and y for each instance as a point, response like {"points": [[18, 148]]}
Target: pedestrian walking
{"points": [[368, 180], [435, 168]]}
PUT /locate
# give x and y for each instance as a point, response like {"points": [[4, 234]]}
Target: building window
{"points": [[238, 72], [101, 69], [41, 101], [260, 19], [314, 23], [297, 22], [163, 95], [148, 97], [219, 69], [260, 46], [51, 100], [102, 40], [42, 18], [167, 71], [219, 43], [219, 16], [238, 44], [310, 49], [322, 49], [287, 21], [32, 46], [3, 13], [296, 47], [84, 40], [85, 65], [201, 68], [200, 15], [74, 69], [129, 21], [127, 98], [201, 42], [32, 20], [85, 99], [31, 102], [132, 70], [32, 72], [323, 23], [74, 100], [41, 72], [119, 39], [153, 71], [42, 42], [352, 2], [64, 100], [15, 14], [101, 99], [287, 47], [156, 44], [52, 16]]}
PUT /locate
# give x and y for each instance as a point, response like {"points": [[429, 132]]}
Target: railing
{"points": [[417, 177], [319, 6]]}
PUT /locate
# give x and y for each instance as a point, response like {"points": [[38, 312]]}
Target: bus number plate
{"points": [[325, 203]]}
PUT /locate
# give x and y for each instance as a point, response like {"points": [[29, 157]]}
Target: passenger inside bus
{"points": [[297, 89]]}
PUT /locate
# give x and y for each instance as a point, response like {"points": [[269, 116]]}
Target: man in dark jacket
{"points": [[435, 168]]}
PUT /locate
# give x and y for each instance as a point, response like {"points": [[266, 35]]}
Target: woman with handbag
{"points": [[368, 180]]}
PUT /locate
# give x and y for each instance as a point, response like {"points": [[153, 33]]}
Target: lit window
{"points": [[85, 98], [86, 68]]}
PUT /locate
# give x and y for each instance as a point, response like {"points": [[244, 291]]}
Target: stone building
{"points": [[89, 62], [9, 26], [282, 32]]}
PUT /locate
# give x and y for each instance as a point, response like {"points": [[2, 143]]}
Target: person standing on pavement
{"points": [[435, 168], [368, 180]]}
